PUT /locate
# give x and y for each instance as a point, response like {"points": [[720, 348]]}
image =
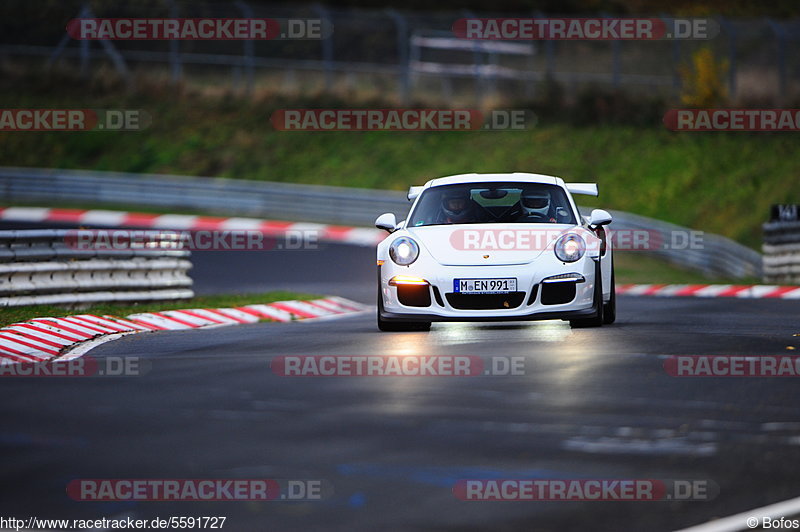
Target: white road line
{"points": [[84, 347], [738, 522]]}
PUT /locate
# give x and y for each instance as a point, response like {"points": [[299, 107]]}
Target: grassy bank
{"points": [[719, 182], [17, 314]]}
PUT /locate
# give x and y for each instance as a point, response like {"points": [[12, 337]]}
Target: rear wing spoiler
{"points": [[589, 189], [413, 192]]}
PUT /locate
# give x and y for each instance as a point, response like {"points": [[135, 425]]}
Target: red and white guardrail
{"points": [[750, 291], [43, 339], [96, 217]]}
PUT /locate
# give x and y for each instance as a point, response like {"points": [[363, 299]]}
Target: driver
{"points": [[456, 207], [536, 206]]}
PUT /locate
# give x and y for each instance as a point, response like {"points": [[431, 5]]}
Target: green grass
{"points": [[718, 182], [17, 314]]}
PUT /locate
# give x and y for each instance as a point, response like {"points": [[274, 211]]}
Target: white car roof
{"points": [[488, 178]]}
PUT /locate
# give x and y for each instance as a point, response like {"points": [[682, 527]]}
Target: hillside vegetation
{"points": [[720, 182]]}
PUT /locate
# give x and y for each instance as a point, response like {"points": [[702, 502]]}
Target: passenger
{"points": [[457, 207]]}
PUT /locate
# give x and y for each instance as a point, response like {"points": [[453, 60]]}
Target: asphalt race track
{"points": [[592, 403]]}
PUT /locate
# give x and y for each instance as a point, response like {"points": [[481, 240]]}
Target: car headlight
{"points": [[570, 248], [404, 251]]}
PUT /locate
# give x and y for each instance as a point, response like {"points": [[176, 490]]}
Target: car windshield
{"points": [[470, 203]]}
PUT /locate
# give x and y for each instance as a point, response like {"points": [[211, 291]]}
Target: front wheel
{"points": [[610, 308], [598, 319]]}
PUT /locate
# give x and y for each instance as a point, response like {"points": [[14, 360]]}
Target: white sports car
{"points": [[495, 247]]}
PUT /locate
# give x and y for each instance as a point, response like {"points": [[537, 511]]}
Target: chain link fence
{"points": [[397, 53]]}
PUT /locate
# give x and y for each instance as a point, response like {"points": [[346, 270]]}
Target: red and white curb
{"points": [[361, 236], [43, 339], [751, 291]]}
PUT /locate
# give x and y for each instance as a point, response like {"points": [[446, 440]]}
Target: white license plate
{"points": [[484, 286]]}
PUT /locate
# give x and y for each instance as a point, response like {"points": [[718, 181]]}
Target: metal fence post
{"points": [[780, 37], [414, 57], [676, 61], [616, 60], [249, 50], [110, 50], [676, 55], [550, 53], [731, 29], [174, 47], [327, 48], [404, 72], [59, 49], [477, 63], [84, 47]]}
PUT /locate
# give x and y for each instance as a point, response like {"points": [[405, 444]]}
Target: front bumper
{"points": [[526, 304]]}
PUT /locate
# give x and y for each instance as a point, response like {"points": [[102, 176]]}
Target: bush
{"points": [[704, 80]]}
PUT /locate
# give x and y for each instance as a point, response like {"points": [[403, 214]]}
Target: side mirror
{"points": [[599, 217], [386, 221], [413, 192]]}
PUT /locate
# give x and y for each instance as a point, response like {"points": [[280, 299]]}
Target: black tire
{"points": [[610, 308], [597, 320], [399, 326]]}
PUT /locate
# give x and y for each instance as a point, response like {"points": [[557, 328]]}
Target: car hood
{"points": [[487, 244]]}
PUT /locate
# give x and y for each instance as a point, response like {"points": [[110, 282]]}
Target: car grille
{"points": [[485, 301], [558, 293], [414, 295]]}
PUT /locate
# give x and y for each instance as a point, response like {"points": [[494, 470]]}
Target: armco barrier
{"points": [[40, 267], [715, 256], [279, 201], [781, 245]]}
